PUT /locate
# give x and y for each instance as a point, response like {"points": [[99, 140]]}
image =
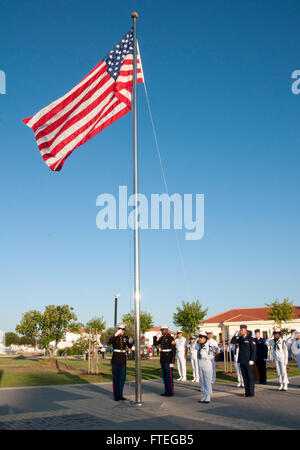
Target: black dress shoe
{"points": [[250, 395], [116, 399], [123, 398], [167, 395]]}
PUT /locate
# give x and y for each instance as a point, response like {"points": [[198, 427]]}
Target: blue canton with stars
{"points": [[116, 56]]}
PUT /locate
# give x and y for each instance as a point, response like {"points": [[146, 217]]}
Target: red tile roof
{"points": [[246, 315]]}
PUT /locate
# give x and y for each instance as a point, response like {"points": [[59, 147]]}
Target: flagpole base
{"points": [[132, 403]]}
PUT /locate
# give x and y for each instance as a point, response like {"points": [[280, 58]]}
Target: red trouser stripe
{"points": [[113, 379], [171, 380]]}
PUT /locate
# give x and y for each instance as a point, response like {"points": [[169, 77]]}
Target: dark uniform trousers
{"points": [[247, 352], [261, 355], [118, 363], [248, 377], [262, 370], [167, 357], [119, 376], [167, 373]]}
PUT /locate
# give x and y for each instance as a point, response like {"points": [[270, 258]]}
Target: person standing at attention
{"points": [[246, 358], [181, 347]]}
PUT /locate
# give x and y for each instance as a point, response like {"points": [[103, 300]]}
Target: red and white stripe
{"points": [[95, 103]]}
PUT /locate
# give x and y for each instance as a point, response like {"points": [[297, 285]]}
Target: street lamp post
{"points": [[116, 309]]}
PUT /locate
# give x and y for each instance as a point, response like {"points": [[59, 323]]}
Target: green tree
{"points": [[107, 335], [79, 347], [97, 323], [146, 320], [189, 317], [25, 340], [48, 326], [11, 338], [280, 312]]}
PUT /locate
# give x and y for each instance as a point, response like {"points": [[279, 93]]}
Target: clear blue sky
{"points": [[219, 78]]}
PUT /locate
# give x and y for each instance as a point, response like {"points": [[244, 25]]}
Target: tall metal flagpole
{"points": [[137, 343]]}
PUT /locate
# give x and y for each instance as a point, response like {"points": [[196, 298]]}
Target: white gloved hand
{"points": [[118, 332], [251, 363], [266, 360], [171, 365], [130, 340]]}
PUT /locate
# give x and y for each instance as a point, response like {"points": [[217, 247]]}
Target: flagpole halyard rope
{"points": [[166, 186]]}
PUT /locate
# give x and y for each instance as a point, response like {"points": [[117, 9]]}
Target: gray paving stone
{"points": [[91, 407]]}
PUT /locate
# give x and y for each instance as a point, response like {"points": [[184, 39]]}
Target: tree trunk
{"points": [[51, 349]]}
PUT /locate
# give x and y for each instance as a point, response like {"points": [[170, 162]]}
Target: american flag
{"points": [[100, 99]]}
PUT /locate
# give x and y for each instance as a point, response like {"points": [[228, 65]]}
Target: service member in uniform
{"points": [[167, 359], [280, 357], [205, 367], [214, 350], [182, 348], [120, 343], [261, 357], [240, 381], [246, 358], [296, 347], [194, 346]]}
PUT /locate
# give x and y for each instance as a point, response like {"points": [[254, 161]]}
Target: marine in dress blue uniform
{"points": [[167, 360], [120, 343], [246, 358], [261, 356]]}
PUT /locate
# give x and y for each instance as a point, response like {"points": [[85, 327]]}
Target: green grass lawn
{"points": [[19, 371]]}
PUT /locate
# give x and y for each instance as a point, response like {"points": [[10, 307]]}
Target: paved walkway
{"points": [[90, 406]]}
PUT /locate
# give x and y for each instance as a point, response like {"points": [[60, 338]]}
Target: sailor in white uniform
{"points": [[194, 347], [181, 348], [279, 350], [213, 352], [296, 347], [205, 367]]}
